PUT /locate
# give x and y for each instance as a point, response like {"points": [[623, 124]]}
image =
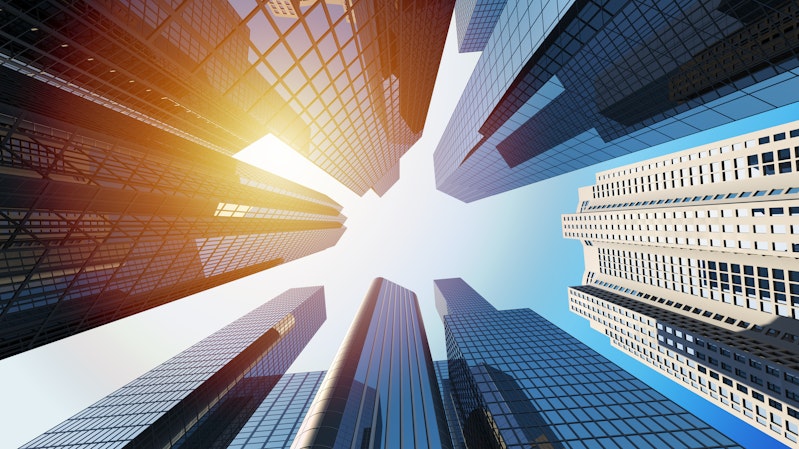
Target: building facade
{"points": [[381, 390], [203, 396], [345, 83], [276, 421], [518, 381], [692, 266], [475, 21], [106, 217], [450, 404], [563, 85]]}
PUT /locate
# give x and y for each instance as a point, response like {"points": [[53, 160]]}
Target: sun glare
{"points": [[275, 156]]}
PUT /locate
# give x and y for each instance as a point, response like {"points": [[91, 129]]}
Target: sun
{"points": [[275, 156]]}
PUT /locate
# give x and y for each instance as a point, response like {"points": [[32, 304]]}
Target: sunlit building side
{"points": [[692, 267], [346, 83], [106, 217]]}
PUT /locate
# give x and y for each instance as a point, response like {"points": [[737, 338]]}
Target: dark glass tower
{"points": [[203, 396], [518, 381], [563, 85], [104, 216], [347, 83], [381, 390]]}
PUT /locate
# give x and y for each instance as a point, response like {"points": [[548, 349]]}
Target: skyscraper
{"points": [[520, 381], [204, 395], [345, 83], [692, 266], [109, 217], [381, 389], [275, 422], [563, 85]]}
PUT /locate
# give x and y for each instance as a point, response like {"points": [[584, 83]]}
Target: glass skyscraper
{"points": [[276, 421], [692, 267], [381, 390], [450, 404], [518, 381], [118, 194], [203, 396], [346, 83], [561, 85], [106, 218]]}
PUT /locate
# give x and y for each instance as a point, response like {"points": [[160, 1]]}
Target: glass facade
{"points": [[381, 390], [204, 395], [347, 83], [475, 21], [276, 421], [691, 267], [450, 406], [520, 381], [565, 84], [106, 218]]}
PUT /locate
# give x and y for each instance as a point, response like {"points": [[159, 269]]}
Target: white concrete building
{"points": [[692, 266]]}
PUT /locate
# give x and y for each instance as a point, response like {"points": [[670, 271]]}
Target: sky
{"points": [[507, 247]]}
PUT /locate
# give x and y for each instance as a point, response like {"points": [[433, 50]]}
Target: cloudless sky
{"points": [[508, 247]]}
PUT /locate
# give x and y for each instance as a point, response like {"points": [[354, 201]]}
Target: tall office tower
{"points": [[97, 226], [519, 382], [346, 83], [381, 389], [276, 421], [563, 85], [204, 395], [692, 266]]}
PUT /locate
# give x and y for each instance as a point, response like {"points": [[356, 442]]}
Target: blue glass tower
{"points": [[450, 407], [561, 85], [380, 391], [518, 381], [204, 395], [276, 421]]}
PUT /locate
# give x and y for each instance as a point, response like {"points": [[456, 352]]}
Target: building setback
{"points": [[563, 85], [345, 83], [381, 389], [518, 381], [692, 266], [203, 396]]}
